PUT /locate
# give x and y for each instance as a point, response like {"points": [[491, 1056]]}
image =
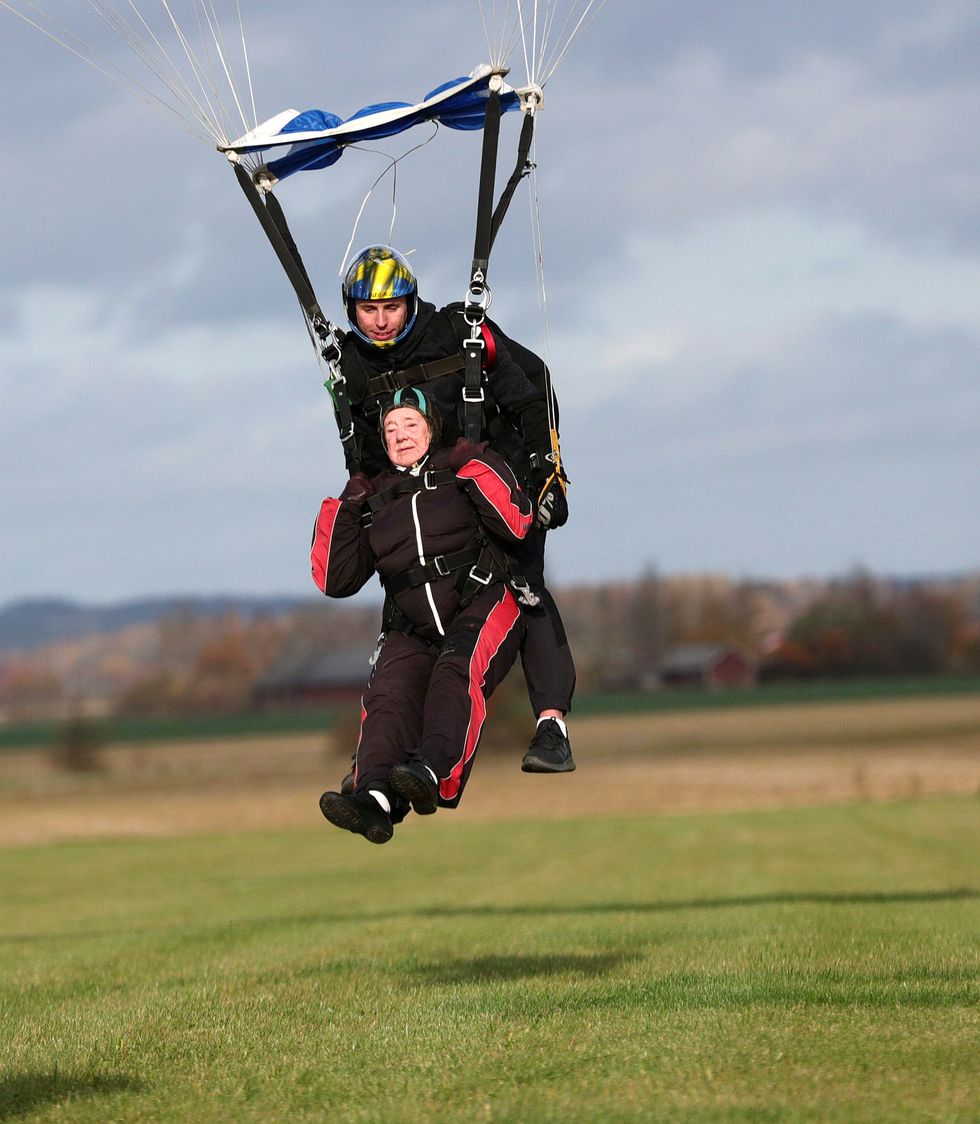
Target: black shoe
{"points": [[414, 781], [361, 814], [550, 751]]}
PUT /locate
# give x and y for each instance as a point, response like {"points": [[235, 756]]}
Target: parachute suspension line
{"points": [[217, 37], [205, 75], [196, 100], [248, 68], [550, 64], [545, 34], [499, 36], [393, 162], [203, 129], [169, 74], [557, 471]]}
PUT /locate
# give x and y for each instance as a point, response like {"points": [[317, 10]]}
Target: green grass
{"points": [[815, 965]]}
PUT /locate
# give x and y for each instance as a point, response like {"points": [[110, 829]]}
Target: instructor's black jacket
{"points": [[515, 407]]}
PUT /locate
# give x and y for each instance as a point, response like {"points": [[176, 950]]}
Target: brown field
{"points": [[658, 763]]}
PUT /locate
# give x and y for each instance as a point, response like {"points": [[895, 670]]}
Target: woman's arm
{"points": [[341, 557]]}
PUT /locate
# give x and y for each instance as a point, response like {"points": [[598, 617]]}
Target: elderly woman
{"points": [[453, 628]]}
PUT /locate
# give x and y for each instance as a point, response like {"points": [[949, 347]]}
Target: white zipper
{"points": [[428, 586]]}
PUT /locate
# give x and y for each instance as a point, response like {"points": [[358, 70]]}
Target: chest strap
{"points": [[387, 382], [426, 481]]}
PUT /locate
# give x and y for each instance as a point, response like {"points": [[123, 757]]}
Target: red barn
{"points": [[706, 665]]}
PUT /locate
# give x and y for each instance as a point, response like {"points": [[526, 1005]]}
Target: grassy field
{"points": [[813, 964]]}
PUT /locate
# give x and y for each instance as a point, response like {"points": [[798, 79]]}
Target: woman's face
{"points": [[406, 435]]}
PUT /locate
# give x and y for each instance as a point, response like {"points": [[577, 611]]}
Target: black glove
{"points": [[357, 489], [553, 507], [464, 451]]}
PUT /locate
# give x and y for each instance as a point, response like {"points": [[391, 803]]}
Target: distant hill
{"points": [[31, 623]]}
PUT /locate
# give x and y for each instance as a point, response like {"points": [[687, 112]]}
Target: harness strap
{"points": [[426, 481], [394, 620], [389, 381], [473, 394], [442, 566]]}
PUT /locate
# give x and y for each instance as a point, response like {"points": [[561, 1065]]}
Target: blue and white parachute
{"points": [[317, 138]]}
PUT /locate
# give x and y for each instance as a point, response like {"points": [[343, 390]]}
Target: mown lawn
{"points": [[810, 965]]}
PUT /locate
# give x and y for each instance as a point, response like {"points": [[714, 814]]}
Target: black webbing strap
{"points": [[442, 566], [521, 169], [273, 221], [389, 381], [394, 620], [488, 175], [473, 395], [274, 224], [426, 481]]}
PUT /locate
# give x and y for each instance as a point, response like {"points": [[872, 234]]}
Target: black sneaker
{"points": [[414, 781], [361, 814], [550, 751]]}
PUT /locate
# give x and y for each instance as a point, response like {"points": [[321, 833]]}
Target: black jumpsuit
{"points": [[516, 424], [428, 691]]}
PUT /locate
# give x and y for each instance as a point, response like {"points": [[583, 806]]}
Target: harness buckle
{"points": [[427, 477], [481, 575], [477, 396], [441, 566]]}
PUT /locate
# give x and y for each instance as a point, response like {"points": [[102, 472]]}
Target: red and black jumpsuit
{"points": [[427, 694]]}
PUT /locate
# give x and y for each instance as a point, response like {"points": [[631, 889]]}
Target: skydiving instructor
{"points": [[398, 340]]}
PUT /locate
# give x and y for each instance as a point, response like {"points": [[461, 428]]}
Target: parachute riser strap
{"points": [[273, 222], [522, 168], [488, 175], [326, 337]]}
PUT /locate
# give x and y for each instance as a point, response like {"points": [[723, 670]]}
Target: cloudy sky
{"points": [[761, 230]]}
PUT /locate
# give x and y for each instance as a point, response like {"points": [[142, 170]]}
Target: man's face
{"points": [[382, 320], [406, 435]]}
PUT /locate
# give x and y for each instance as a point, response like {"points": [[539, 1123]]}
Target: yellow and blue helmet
{"points": [[380, 273]]}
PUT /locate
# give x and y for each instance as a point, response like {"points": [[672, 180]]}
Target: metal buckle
{"points": [[478, 576], [479, 396], [426, 477], [442, 569]]}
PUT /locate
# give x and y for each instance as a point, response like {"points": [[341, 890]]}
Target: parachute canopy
{"points": [[317, 138]]}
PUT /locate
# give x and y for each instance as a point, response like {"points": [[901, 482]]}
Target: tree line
{"points": [[621, 634]]}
